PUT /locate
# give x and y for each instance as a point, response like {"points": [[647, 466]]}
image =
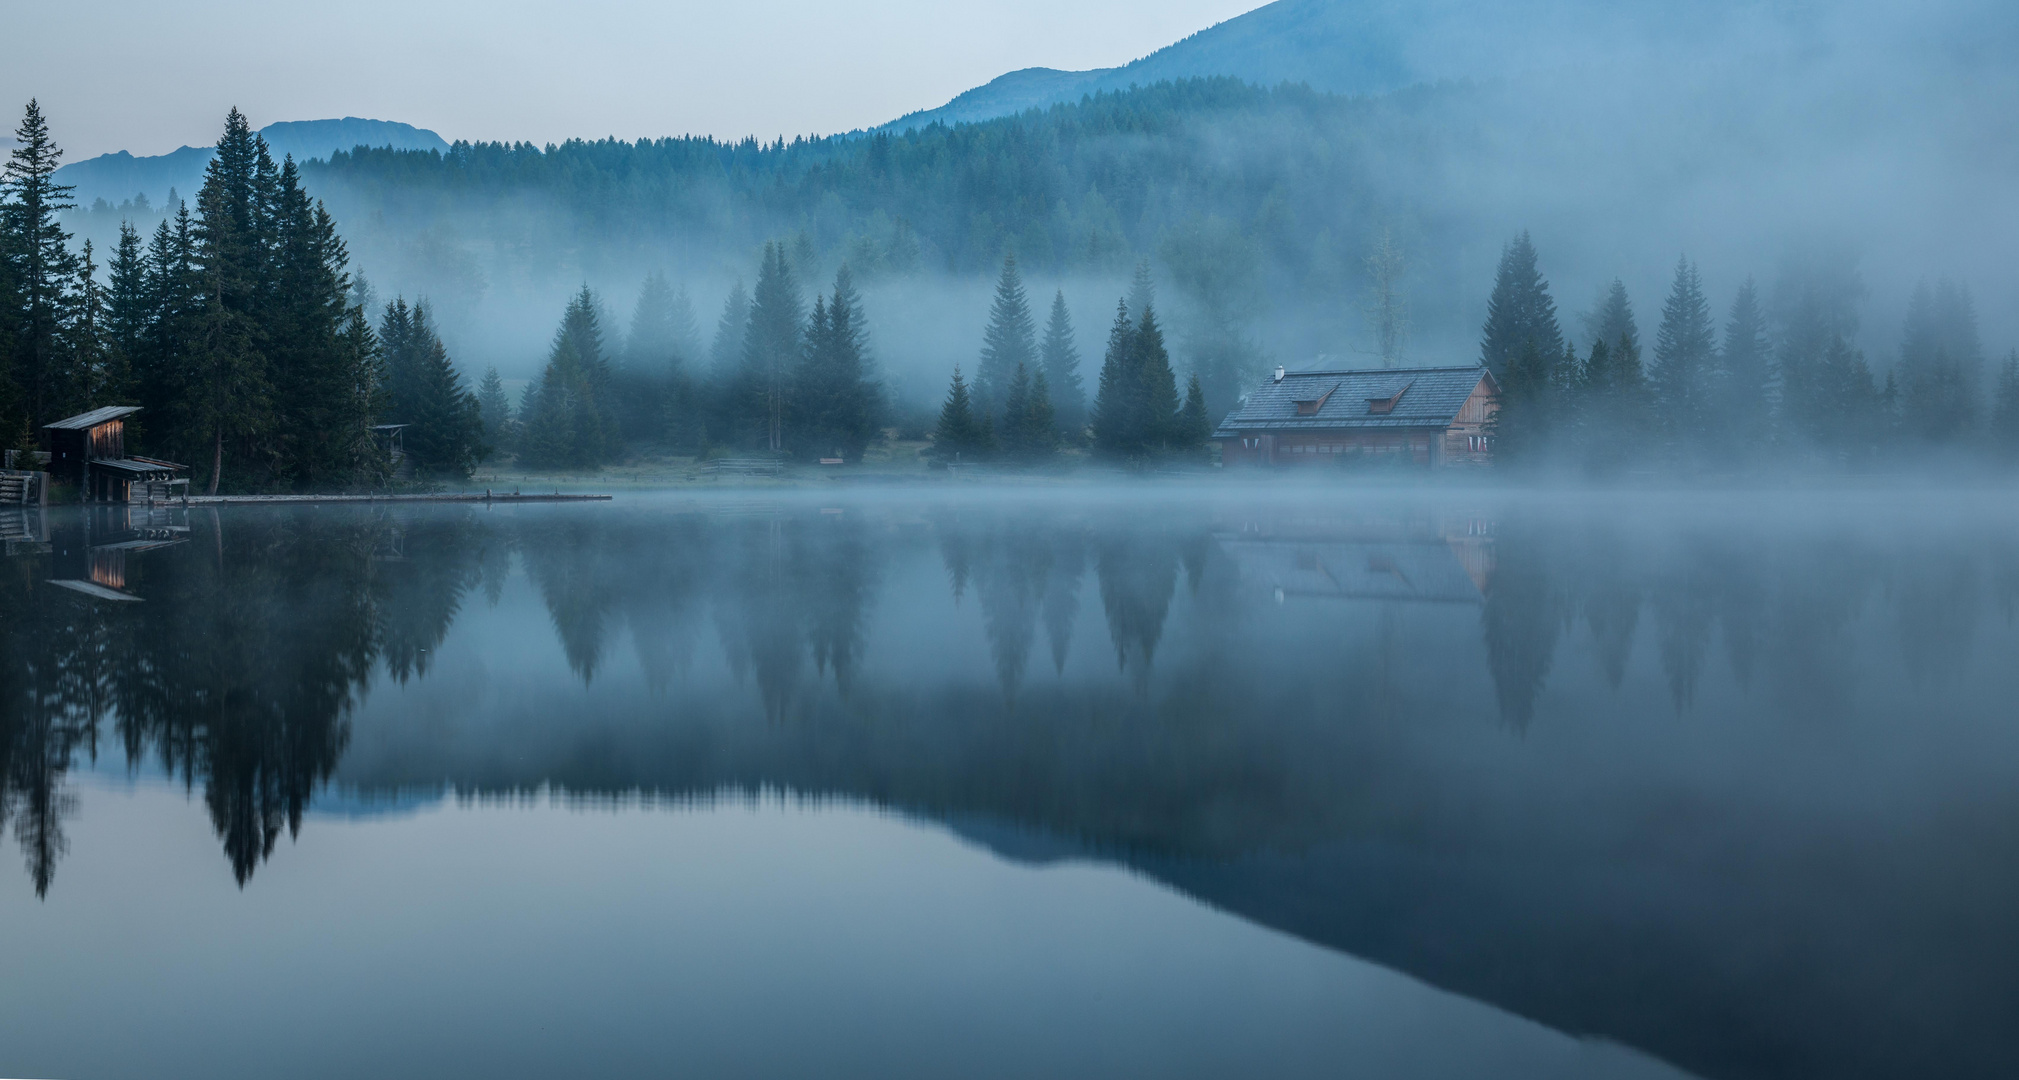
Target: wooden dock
{"points": [[454, 497]]}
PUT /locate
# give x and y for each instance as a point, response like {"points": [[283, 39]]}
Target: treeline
{"points": [[782, 379], [237, 328], [778, 378], [1782, 384]]}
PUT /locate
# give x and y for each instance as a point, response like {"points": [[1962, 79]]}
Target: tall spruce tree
{"points": [[1685, 351], [1815, 307], [1060, 362], [325, 378], [229, 398], [1519, 312], [2004, 425], [127, 313], [1136, 412], [1528, 419], [771, 349], [661, 337], [961, 436], [164, 367], [42, 271], [1142, 288], [836, 402], [565, 418], [726, 353], [1745, 373], [1039, 420], [494, 410], [86, 351], [1160, 384], [1194, 425], [1114, 426], [1940, 360], [1016, 405], [445, 432], [1009, 340], [1611, 318]]}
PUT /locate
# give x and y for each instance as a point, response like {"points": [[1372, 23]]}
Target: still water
{"points": [[1018, 784]]}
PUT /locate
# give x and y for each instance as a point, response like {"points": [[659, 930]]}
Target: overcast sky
{"points": [[148, 77]]}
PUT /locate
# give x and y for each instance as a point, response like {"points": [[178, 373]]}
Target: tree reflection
{"points": [[1523, 617], [241, 669], [1138, 572]]}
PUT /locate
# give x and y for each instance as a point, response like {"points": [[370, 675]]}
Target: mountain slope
{"points": [[1376, 46], [118, 177]]}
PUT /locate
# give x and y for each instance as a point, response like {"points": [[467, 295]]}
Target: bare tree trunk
{"points": [[216, 460]]}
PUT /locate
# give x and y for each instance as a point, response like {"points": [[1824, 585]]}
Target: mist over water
{"points": [[1721, 779]]}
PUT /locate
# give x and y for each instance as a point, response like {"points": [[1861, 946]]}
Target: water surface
{"points": [[1012, 784]]}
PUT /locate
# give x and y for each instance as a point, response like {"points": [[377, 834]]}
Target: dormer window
{"points": [[1310, 406], [1382, 406]]}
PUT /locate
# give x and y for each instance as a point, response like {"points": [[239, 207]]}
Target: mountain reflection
{"points": [[1331, 721]]}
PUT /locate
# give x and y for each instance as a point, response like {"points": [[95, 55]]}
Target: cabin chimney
{"points": [[1279, 373]]}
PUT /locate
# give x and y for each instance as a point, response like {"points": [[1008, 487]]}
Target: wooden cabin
{"points": [[1433, 417], [89, 451]]}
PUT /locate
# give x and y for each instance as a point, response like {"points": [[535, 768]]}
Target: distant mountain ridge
{"points": [[121, 176], [1378, 46]]}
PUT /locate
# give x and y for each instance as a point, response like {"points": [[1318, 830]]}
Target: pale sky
{"points": [[148, 77]]}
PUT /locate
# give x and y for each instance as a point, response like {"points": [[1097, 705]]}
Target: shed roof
{"points": [[1430, 398], [93, 418], [142, 467]]}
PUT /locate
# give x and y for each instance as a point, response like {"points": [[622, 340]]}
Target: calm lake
{"points": [[1087, 782]]}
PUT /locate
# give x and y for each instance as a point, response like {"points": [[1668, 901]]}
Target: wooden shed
{"points": [[89, 451]]}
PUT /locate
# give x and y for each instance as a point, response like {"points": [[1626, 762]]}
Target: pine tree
{"points": [[837, 405], [1010, 340], [726, 353], [1816, 308], [1684, 351], [42, 271], [1115, 399], [716, 406], [325, 380], [1745, 375], [1526, 422], [1158, 423], [771, 350], [1194, 426], [662, 328], [229, 397], [1060, 365], [565, 421], [164, 367], [1016, 406], [961, 435], [127, 313], [2004, 427], [87, 354], [1040, 420], [652, 361], [1520, 311], [494, 410], [1612, 319], [1142, 288], [444, 435], [1940, 356]]}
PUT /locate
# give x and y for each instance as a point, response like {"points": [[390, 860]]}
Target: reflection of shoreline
{"points": [[1328, 769]]}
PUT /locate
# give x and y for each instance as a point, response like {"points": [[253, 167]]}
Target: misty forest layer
{"points": [[1818, 311]]}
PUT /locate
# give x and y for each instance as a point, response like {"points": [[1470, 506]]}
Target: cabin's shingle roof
{"points": [[1431, 398], [93, 418]]}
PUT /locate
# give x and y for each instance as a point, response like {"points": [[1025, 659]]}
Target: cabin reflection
{"points": [[1443, 562], [90, 551]]}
